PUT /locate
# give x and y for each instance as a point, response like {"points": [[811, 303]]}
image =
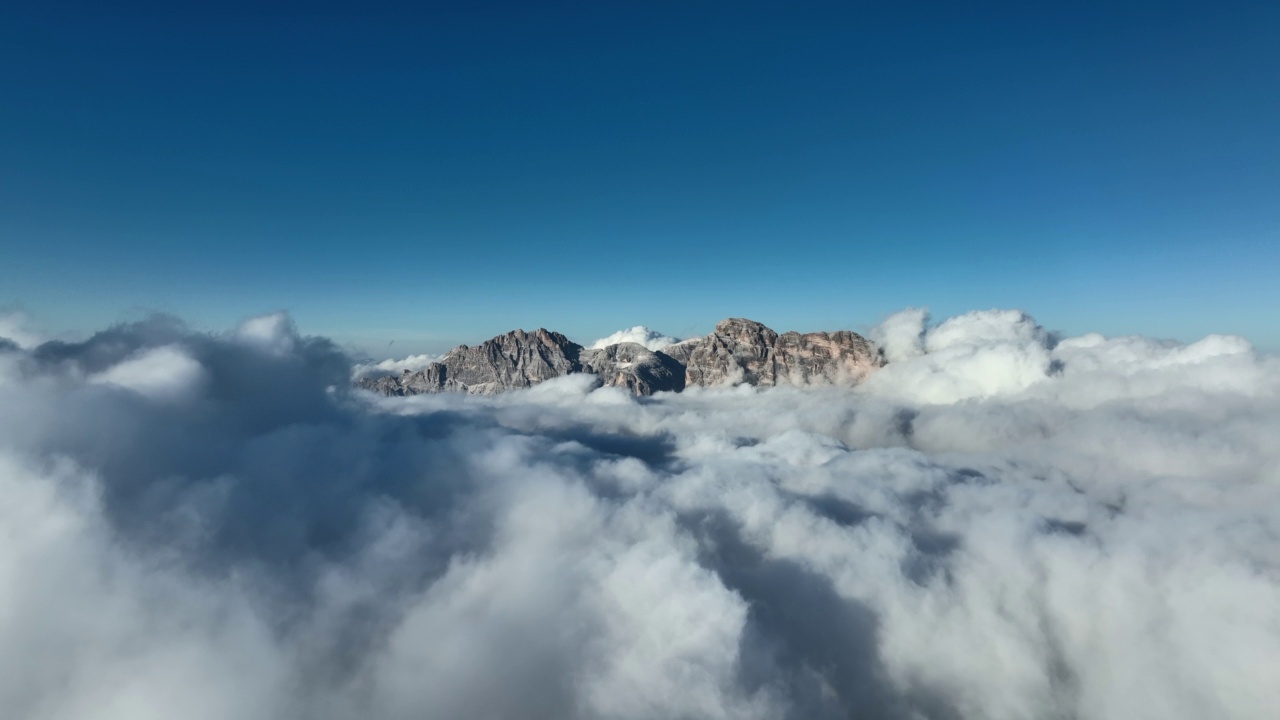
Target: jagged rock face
{"points": [[745, 351], [819, 358], [518, 359], [636, 368]]}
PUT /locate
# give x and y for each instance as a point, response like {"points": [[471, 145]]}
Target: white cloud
{"points": [[166, 371], [639, 334], [998, 525], [901, 336], [273, 333], [978, 355]]}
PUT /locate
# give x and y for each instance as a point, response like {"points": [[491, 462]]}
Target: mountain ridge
{"points": [[737, 351]]}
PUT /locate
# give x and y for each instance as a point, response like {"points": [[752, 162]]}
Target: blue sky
{"points": [[439, 174]]}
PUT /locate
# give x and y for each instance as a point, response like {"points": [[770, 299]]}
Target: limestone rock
{"points": [[738, 351], [745, 351]]}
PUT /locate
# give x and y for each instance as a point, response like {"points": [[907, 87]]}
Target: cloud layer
{"points": [[999, 524]]}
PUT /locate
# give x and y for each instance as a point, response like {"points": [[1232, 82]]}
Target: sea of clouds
{"points": [[1001, 523]]}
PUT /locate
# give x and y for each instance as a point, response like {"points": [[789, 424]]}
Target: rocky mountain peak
{"points": [[636, 368]]}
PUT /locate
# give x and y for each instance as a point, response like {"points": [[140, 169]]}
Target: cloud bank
{"points": [[998, 524]]}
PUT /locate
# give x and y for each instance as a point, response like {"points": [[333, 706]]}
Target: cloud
{"points": [[977, 355], [901, 336], [157, 372], [14, 327], [272, 333], [639, 334], [999, 524]]}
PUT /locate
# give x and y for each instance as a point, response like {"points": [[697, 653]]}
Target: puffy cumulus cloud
{"points": [[392, 366], [977, 355], [1001, 524], [901, 336], [639, 334], [273, 333]]}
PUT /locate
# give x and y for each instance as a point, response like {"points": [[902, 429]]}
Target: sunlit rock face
{"points": [[745, 351], [738, 351]]}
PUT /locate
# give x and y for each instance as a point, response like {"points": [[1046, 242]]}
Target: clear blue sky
{"points": [[440, 173]]}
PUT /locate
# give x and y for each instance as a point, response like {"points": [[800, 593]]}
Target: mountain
{"points": [[737, 351], [517, 359]]}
